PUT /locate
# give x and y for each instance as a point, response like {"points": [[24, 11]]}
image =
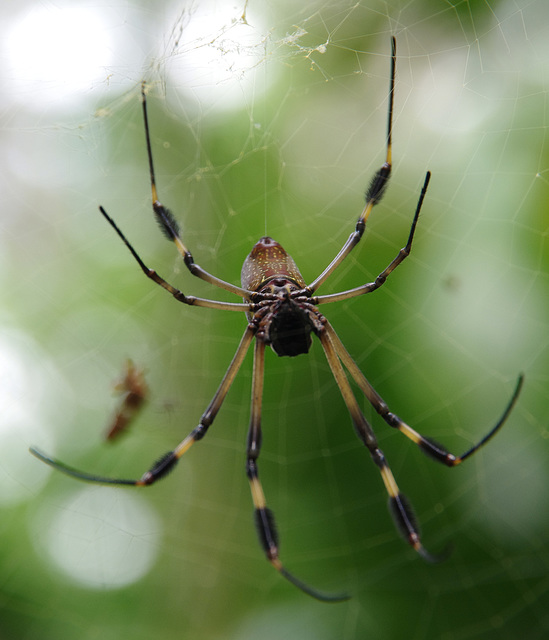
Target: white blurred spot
{"points": [[452, 98], [103, 538], [217, 55], [24, 370], [284, 621], [53, 53]]}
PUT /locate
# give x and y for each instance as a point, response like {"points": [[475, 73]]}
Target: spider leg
{"points": [[167, 462], [399, 506], [178, 295], [264, 517], [168, 224], [375, 191], [382, 277], [430, 447]]}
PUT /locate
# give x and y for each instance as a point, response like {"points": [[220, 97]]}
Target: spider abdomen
{"points": [[267, 261]]}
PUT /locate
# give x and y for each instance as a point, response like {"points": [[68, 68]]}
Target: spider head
{"points": [[288, 327]]}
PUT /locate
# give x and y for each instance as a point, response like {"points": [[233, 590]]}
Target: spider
{"points": [[282, 312]]}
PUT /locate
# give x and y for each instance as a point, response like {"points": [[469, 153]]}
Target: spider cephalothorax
{"points": [[282, 312]]}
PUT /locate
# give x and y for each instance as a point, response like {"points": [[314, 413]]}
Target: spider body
{"points": [[282, 311], [286, 317], [286, 325], [269, 264]]}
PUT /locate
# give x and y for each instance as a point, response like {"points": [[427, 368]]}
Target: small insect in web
{"points": [[133, 390], [282, 312]]}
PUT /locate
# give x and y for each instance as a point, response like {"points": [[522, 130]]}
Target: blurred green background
{"points": [[274, 126]]}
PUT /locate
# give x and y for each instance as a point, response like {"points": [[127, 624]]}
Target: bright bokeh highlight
{"points": [[54, 54], [101, 537]]}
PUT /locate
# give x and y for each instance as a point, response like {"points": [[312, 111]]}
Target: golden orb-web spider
{"points": [[282, 312]]}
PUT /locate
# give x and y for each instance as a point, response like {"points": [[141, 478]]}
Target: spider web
{"points": [[271, 118]]}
